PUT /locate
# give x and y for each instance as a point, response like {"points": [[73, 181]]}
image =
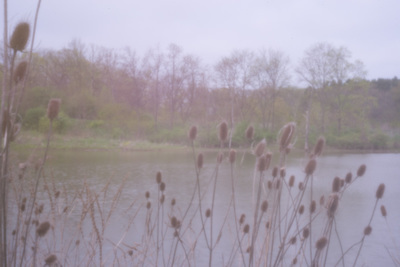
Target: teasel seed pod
{"points": [[291, 181], [147, 194], [50, 260], [158, 177], [20, 71], [293, 240], [264, 206], [174, 222], [286, 137], [148, 205], [20, 36], [162, 199], [260, 147], [319, 146], [301, 186], [294, 261], [250, 132], [162, 186], [246, 228], [53, 108], [277, 184], [306, 233], [208, 213], [361, 170], [173, 202], [267, 224], [348, 178], [232, 156], [310, 168], [313, 206], [130, 252], [242, 218], [336, 184], [321, 243], [223, 131], [367, 230], [261, 163], [43, 228], [380, 191], [301, 209], [269, 184], [200, 161], [383, 211], [193, 133]]}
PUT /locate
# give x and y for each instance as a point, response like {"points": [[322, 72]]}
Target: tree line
{"points": [[157, 95]]}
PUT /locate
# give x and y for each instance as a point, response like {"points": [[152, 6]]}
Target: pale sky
{"points": [[212, 29]]}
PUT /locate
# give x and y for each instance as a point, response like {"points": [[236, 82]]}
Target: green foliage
{"points": [[379, 141], [60, 125], [35, 97], [32, 117], [177, 135]]}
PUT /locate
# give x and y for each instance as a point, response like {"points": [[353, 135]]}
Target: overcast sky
{"points": [[211, 29]]}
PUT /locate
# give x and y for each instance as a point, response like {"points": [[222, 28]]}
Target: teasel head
{"points": [[361, 170], [301, 209], [208, 213], [380, 191], [321, 243], [158, 177], [306, 233], [333, 205], [260, 147], [348, 178], [264, 206], [267, 224], [148, 205], [173, 202], [162, 199], [250, 132], [301, 186], [223, 131], [43, 228], [277, 184], [275, 172], [294, 261], [367, 230], [242, 218], [50, 260], [319, 146], [336, 184], [20, 36], [313, 206], [147, 194], [174, 222], [293, 240], [383, 211], [291, 181], [200, 161], [287, 133], [232, 156], [162, 186], [20, 71], [53, 108], [246, 228], [193, 133], [310, 168]]}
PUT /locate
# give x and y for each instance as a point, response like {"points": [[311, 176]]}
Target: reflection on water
{"points": [[72, 169]]}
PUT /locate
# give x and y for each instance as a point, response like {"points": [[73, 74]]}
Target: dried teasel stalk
{"points": [[200, 161]]}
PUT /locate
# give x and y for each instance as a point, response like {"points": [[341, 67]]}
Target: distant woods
{"points": [[121, 94]]}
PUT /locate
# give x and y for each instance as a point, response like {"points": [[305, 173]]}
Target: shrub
{"points": [[32, 117]]}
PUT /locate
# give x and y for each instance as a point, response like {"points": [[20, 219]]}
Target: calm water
{"points": [[74, 168]]}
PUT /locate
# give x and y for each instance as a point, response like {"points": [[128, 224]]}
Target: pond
{"points": [[70, 171]]}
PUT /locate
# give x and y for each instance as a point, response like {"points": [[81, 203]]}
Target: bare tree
{"points": [[271, 72]]}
